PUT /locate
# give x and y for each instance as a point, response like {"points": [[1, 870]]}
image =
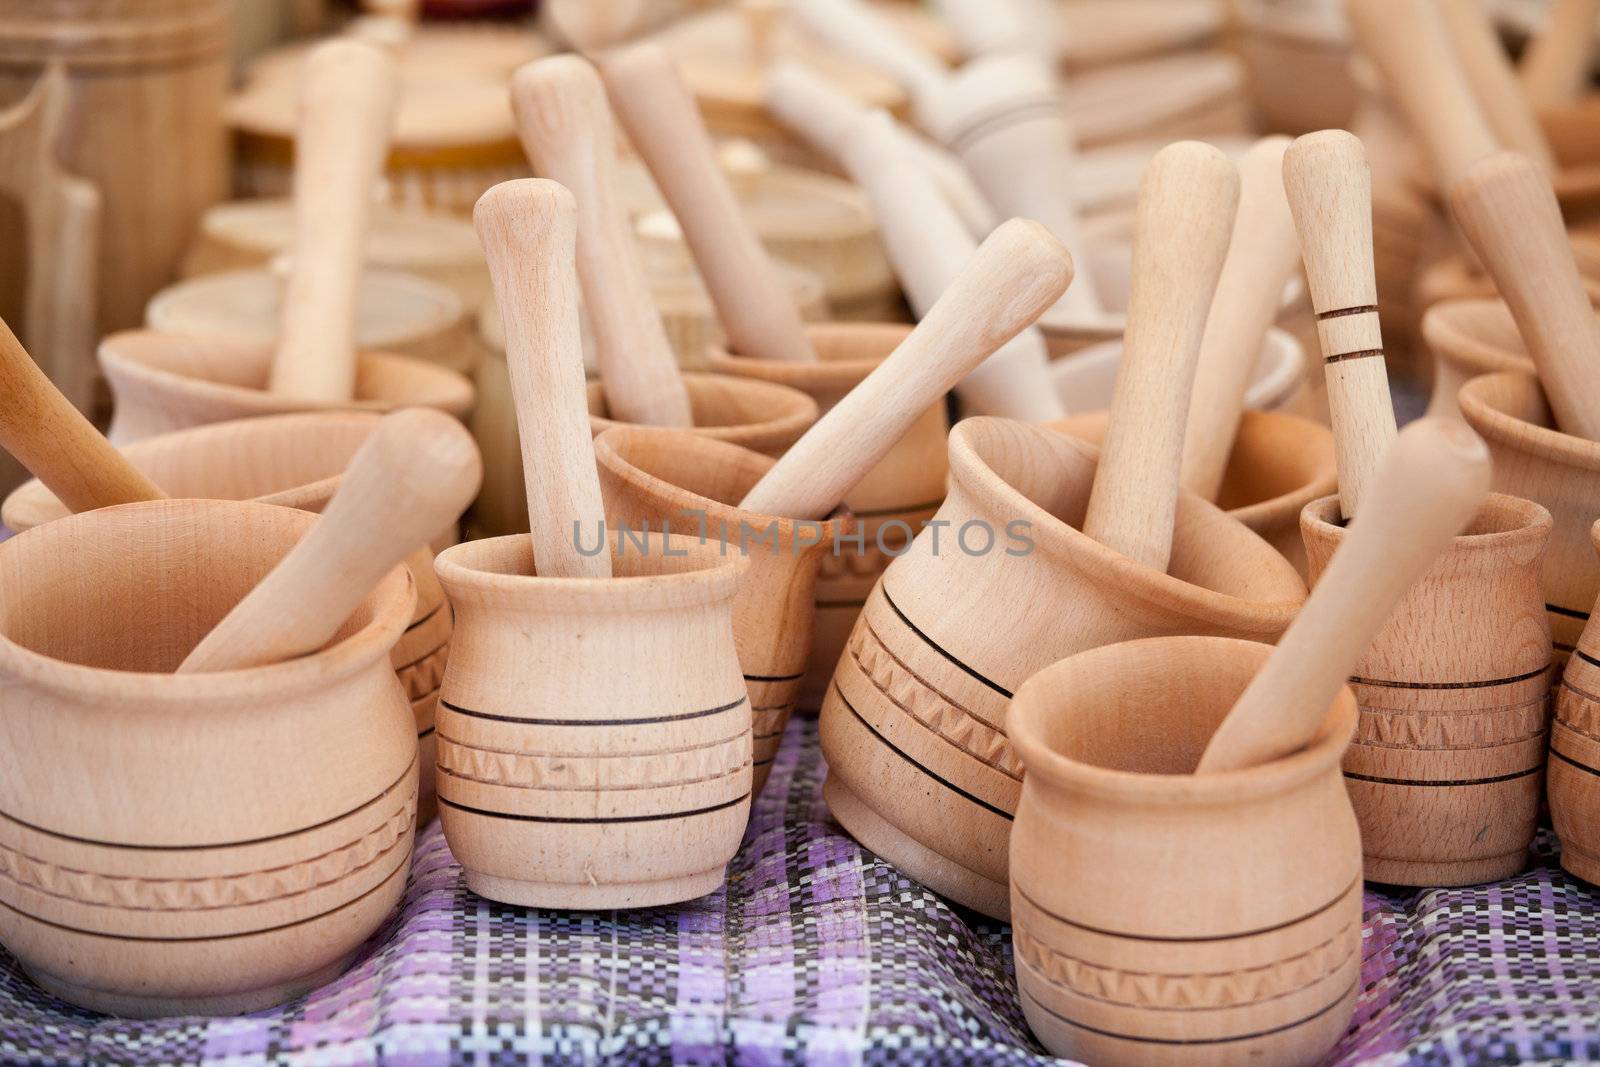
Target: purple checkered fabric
{"points": [[818, 953]]}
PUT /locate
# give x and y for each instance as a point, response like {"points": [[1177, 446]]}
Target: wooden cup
{"points": [[190, 844], [693, 484], [566, 782], [1574, 767], [1167, 918], [1444, 771], [914, 724]]}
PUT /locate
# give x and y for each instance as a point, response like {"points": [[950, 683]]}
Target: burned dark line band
{"points": [[1564, 758], [931, 643], [1382, 683], [1143, 1039], [774, 677], [1421, 783], [1365, 353], [1581, 654], [1063, 920], [1339, 313], [1570, 613], [593, 722], [602, 821]]}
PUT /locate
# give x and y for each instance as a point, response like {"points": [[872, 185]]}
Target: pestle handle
{"points": [[412, 478], [528, 229], [1187, 199], [1263, 255], [57, 444], [1330, 193], [346, 110], [1013, 276], [1494, 81], [1431, 485], [1508, 211], [1409, 43], [566, 128], [856, 30], [1555, 66], [662, 121]]}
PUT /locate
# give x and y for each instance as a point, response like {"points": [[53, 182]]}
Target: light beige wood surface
{"points": [[1574, 761], [1330, 193], [1494, 81], [658, 114], [1187, 200], [1432, 482], [1555, 66], [1506, 208], [999, 27], [566, 128], [1263, 254], [1014, 275]]}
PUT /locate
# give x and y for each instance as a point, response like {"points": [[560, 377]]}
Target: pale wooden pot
{"points": [[1453, 278], [1165, 918], [694, 483], [566, 782], [1445, 768], [1573, 771], [1468, 338], [1561, 472], [889, 505], [202, 843], [1297, 55], [164, 382], [765, 417], [1279, 464], [914, 726]]}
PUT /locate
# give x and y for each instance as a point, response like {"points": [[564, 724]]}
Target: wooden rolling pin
{"points": [[1330, 193], [1494, 81], [1263, 255], [56, 443], [928, 246], [529, 234], [1555, 67], [659, 114], [413, 477], [346, 111], [1431, 485], [1508, 211], [856, 30], [1016, 273], [566, 129], [1187, 199]]}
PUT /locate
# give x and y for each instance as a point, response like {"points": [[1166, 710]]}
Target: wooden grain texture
{"points": [[1556, 64], [1014, 275], [1187, 200], [1494, 81], [1573, 771], [1433, 481], [1000, 27], [413, 477], [658, 113], [1330, 192], [566, 128], [1506, 208], [346, 109], [854, 29], [529, 233], [1263, 254]]}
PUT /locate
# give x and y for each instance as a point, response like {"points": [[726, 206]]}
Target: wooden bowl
{"points": [[1167, 918], [913, 727], [764, 417], [1445, 769], [1279, 464], [683, 482], [1574, 765], [1297, 55], [889, 505], [1470, 337], [163, 382], [566, 782], [1560, 471], [1189, 95], [202, 844]]}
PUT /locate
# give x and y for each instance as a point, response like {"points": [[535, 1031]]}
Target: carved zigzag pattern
{"points": [[209, 894], [1577, 710], [851, 564], [1485, 728], [425, 675], [623, 771], [937, 712], [1187, 992]]}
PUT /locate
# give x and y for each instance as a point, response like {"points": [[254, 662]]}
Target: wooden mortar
{"points": [[1574, 763], [1470, 337]]}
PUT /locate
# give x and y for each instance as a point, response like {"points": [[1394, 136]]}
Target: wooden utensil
{"points": [[1493, 80], [856, 30], [566, 128], [1573, 770], [1187, 200], [659, 116], [416, 473], [1263, 254], [1330, 192], [346, 108], [1014, 275], [1555, 66], [1506, 208], [1431, 484], [991, 27]]}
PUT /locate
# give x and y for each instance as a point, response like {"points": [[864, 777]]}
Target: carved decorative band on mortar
{"points": [[655, 720], [1430, 731], [1578, 711], [617, 772], [931, 643], [424, 676]]}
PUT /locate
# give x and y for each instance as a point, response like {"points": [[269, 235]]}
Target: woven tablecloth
{"points": [[817, 952]]}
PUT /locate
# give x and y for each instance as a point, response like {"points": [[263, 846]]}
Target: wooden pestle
{"points": [[992, 27], [856, 30], [346, 109], [1014, 275], [928, 246], [1494, 81], [1431, 485], [1555, 67], [529, 233], [409, 480], [566, 129], [1508, 211], [659, 115], [57, 444], [1330, 193], [1187, 199], [1263, 255]]}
